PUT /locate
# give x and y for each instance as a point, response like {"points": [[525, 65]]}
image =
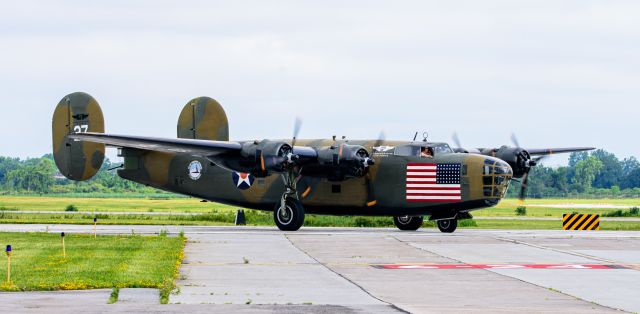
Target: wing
{"points": [[551, 151], [202, 148]]}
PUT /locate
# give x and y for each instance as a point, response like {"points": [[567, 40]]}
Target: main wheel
{"points": [[408, 222], [290, 217], [448, 225]]}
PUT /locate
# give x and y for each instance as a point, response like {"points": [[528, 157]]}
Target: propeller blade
{"points": [[523, 187], [381, 138], [371, 195], [456, 140], [514, 139], [296, 130]]}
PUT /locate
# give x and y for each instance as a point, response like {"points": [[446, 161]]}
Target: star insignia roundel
{"points": [[243, 181]]}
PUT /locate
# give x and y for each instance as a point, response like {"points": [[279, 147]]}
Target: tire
{"points": [[408, 223], [291, 217], [448, 225]]}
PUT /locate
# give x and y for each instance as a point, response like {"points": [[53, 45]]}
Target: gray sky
{"points": [[557, 73]]}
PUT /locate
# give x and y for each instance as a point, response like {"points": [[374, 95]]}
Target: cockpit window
{"points": [[407, 150], [442, 148], [425, 151]]}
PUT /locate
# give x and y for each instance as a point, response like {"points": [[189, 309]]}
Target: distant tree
{"points": [[586, 172], [629, 165], [6, 165], [33, 175], [632, 180], [576, 157], [611, 172]]}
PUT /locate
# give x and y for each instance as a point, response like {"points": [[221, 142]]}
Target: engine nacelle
{"points": [[519, 159], [339, 162], [258, 158]]}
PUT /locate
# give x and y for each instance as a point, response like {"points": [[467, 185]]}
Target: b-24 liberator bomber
{"points": [[406, 180]]}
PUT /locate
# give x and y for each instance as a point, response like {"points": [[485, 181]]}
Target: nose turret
{"points": [[488, 178]]}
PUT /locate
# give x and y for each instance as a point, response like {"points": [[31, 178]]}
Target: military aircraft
{"points": [[402, 179]]}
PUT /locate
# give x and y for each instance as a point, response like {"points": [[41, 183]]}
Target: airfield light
{"points": [[8, 251], [64, 251], [95, 222]]}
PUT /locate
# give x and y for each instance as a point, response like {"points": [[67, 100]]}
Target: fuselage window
{"points": [[407, 151], [426, 152]]}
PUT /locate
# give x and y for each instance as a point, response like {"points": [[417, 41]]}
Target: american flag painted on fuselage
{"points": [[433, 183]]}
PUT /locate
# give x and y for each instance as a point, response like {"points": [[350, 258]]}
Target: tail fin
{"points": [[203, 118], [77, 113]]}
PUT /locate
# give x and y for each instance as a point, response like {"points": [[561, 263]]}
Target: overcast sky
{"points": [[557, 73]]}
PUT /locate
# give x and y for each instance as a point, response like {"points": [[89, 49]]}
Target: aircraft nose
{"points": [[496, 176]]}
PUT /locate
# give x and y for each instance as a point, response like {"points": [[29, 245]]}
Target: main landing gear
{"points": [[289, 217], [289, 212], [447, 225], [408, 223], [413, 223]]}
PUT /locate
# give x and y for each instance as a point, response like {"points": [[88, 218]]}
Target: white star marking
{"points": [[241, 179]]}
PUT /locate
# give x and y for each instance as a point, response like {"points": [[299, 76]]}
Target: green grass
{"points": [[549, 225], [218, 214], [507, 207], [47, 203], [104, 262]]}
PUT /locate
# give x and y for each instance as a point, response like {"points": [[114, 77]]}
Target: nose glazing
{"points": [[496, 176]]}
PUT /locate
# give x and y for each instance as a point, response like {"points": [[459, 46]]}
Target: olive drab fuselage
{"points": [[479, 187]]}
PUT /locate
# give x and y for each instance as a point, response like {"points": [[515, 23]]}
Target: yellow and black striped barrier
{"points": [[580, 222]]}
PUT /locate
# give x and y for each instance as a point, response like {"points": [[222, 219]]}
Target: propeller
{"points": [[296, 130], [514, 140], [529, 162], [456, 140], [525, 178], [371, 193], [285, 157]]}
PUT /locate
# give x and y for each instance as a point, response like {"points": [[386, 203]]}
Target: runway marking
{"points": [[499, 266]]}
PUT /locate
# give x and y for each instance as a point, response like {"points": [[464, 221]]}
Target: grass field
{"points": [[37, 203], [218, 214], [537, 208], [104, 262]]}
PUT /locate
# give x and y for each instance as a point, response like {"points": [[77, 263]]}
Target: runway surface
{"points": [[322, 270]]}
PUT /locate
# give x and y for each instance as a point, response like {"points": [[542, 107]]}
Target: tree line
{"points": [[41, 176], [598, 174]]}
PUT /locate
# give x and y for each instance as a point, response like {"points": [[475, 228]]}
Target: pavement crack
{"points": [[395, 307]]}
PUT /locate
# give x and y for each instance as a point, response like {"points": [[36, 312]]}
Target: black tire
{"points": [[448, 225], [292, 218], [408, 223]]}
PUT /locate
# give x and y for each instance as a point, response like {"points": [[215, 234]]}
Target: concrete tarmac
{"points": [[323, 270]]}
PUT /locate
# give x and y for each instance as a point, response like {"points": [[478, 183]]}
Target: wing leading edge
{"points": [[202, 148]]}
